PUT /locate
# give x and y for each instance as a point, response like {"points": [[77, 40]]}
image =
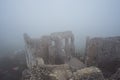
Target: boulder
{"points": [[90, 73], [76, 64]]}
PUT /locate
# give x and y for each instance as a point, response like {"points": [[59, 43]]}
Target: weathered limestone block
{"points": [[40, 73], [36, 48], [61, 73], [104, 53], [29, 51], [59, 58], [52, 54], [40, 61], [48, 72], [67, 45], [90, 73], [76, 64]]}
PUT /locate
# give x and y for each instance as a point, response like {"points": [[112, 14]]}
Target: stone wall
{"points": [[103, 53], [55, 48]]}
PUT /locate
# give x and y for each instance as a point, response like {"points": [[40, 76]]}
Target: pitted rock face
{"points": [[61, 74], [90, 73], [40, 73], [48, 72], [76, 64], [104, 53]]}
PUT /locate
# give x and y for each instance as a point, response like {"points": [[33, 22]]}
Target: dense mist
{"points": [[94, 18]]}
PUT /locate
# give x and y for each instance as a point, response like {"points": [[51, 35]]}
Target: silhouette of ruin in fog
{"points": [[56, 52]]}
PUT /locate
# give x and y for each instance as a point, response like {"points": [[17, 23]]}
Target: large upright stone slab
{"points": [[65, 43], [104, 53]]}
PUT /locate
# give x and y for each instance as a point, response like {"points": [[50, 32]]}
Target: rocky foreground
{"points": [[66, 72]]}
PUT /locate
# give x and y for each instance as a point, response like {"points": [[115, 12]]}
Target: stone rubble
{"points": [[76, 64], [62, 72], [90, 73]]}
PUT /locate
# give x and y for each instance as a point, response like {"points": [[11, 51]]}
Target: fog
{"points": [[94, 18]]}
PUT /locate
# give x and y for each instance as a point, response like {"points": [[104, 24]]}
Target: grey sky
{"points": [[39, 17]]}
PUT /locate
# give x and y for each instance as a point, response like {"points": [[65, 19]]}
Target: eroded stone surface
{"points": [[90, 73], [76, 64], [104, 53], [47, 72], [63, 72], [55, 48]]}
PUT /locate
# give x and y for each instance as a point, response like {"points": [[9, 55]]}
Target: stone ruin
{"points": [[103, 53], [52, 57], [56, 48]]}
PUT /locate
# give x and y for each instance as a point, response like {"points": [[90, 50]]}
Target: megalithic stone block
{"points": [[104, 53]]}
